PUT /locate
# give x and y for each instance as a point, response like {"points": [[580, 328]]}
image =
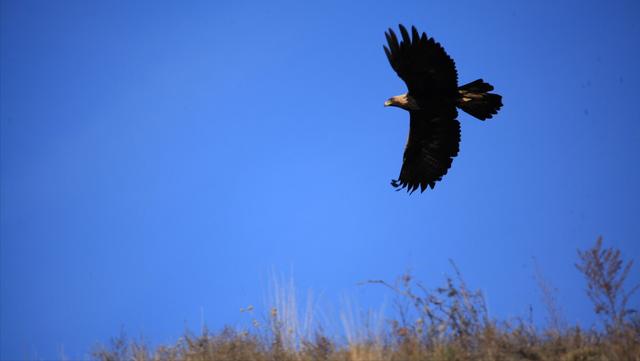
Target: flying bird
{"points": [[432, 100]]}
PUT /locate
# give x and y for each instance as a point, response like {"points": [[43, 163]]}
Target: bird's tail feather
{"points": [[475, 99]]}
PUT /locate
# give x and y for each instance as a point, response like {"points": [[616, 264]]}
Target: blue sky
{"points": [[159, 159]]}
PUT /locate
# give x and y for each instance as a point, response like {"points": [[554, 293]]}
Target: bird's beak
{"points": [[387, 103]]}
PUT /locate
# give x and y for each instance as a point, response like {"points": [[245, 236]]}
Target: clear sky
{"points": [[159, 159]]}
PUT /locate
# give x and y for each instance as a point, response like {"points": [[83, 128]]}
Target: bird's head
{"points": [[403, 101]]}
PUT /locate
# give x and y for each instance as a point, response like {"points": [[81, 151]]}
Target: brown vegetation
{"points": [[448, 323]]}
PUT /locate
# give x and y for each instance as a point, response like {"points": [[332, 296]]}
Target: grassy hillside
{"points": [[446, 323]]}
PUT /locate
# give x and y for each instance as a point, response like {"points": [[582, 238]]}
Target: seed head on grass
{"points": [[606, 273]]}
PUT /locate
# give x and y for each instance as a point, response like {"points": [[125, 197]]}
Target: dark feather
{"points": [[422, 63], [475, 99], [433, 143]]}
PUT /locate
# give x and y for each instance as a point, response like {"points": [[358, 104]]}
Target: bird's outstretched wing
{"points": [[423, 64], [433, 143]]}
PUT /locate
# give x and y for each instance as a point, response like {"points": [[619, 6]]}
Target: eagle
{"points": [[432, 100]]}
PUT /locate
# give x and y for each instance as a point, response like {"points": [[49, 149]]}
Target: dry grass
{"points": [[446, 323]]}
